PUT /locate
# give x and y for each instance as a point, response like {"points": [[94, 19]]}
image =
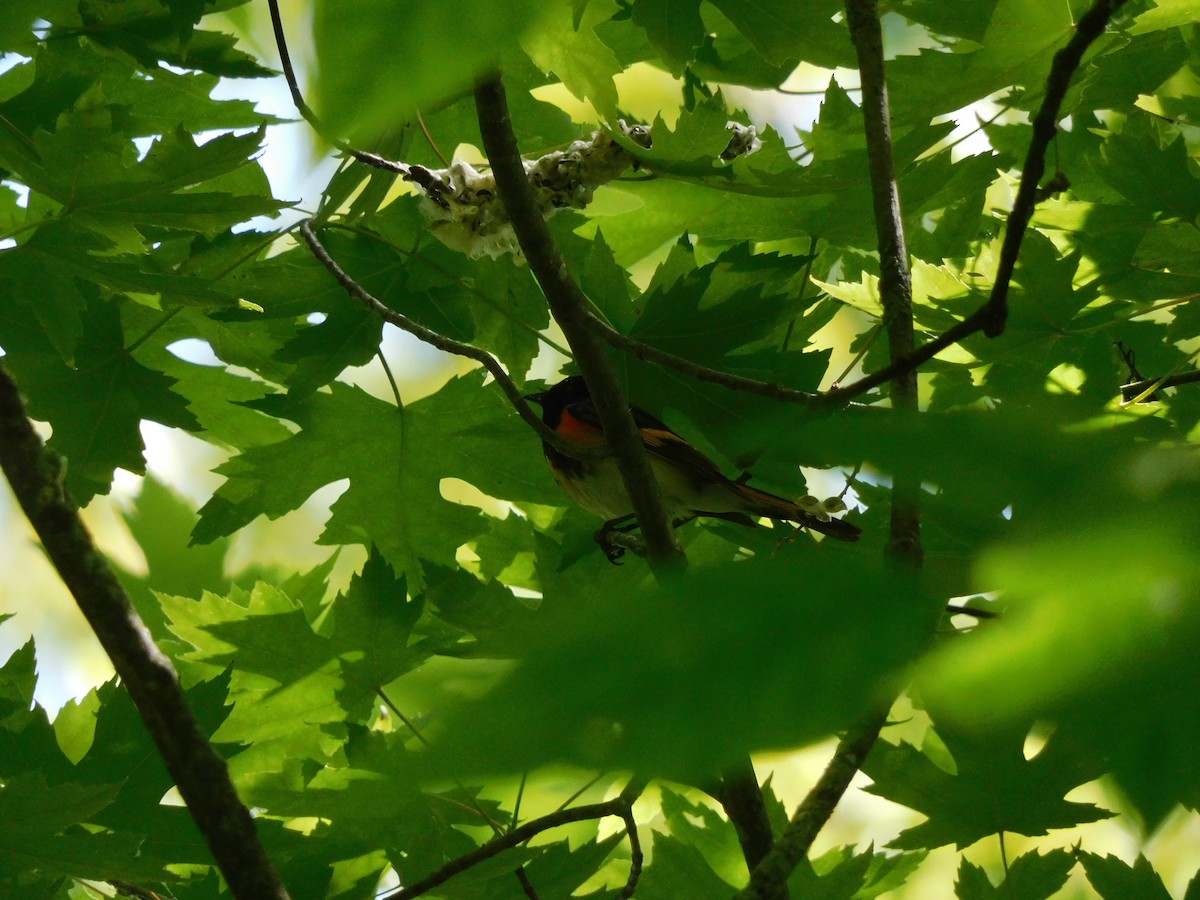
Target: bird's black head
{"points": [[554, 400]]}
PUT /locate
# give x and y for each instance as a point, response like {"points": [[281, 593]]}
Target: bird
{"points": [[692, 484]]}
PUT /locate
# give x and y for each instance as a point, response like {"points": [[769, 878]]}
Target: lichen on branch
{"points": [[464, 210]]}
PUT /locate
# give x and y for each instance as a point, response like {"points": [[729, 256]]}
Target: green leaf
{"points": [[1164, 14], [673, 26], [1118, 645], [18, 678], [574, 53], [422, 52], [1115, 879], [702, 827], [1031, 876], [96, 406], [559, 870], [838, 874], [992, 789], [373, 622], [16, 30], [150, 31], [1118, 77], [123, 753], [783, 31], [677, 870], [160, 521], [1150, 173], [399, 459], [75, 726], [280, 646], [647, 649], [1016, 49], [500, 624]]}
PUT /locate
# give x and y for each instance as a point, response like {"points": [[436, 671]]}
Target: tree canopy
{"points": [[961, 301]]}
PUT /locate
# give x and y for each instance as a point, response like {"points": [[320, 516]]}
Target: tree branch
{"points": [[447, 345], [810, 817], [895, 283], [1045, 127], [741, 796], [1134, 390], [36, 476], [988, 318], [991, 316], [621, 806], [569, 306], [904, 539], [685, 366]]}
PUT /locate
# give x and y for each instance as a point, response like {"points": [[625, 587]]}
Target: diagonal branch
{"points": [[621, 806], [810, 817], [569, 306], [1045, 127], [991, 316], [36, 474], [447, 345]]}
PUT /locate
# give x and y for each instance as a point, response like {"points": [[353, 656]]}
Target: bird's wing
{"points": [[658, 439], [664, 443]]}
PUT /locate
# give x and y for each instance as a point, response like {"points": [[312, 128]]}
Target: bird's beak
{"points": [[535, 398]]}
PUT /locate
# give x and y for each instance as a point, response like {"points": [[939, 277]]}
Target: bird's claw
{"points": [[612, 552]]}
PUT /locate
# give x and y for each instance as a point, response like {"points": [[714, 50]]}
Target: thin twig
{"points": [[1143, 391], [447, 345], [579, 792], [289, 74], [387, 370], [955, 609], [463, 283], [858, 357], [805, 280], [812, 814], [694, 370], [526, 884], [125, 889], [620, 806], [437, 151], [635, 853], [569, 306], [36, 476]]}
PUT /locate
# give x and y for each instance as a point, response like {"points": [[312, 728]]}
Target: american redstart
{"points": [[691, 483]]}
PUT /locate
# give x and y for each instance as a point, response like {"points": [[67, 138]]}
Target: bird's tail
{"points": [[760, 503]]}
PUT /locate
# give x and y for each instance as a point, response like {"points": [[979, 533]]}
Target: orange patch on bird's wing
{"points": [[653, 437], [577, 432], [675, 450]]}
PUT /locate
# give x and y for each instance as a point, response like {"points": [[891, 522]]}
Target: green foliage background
{"points": [[490, 623]]}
